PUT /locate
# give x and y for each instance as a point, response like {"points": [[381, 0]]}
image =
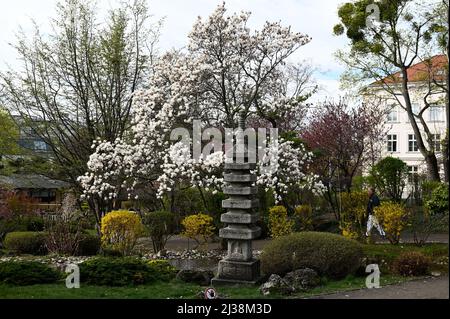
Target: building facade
{"points": [[425, 80]]}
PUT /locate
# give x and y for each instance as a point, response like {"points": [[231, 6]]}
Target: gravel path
{"points": [[429, 288]]}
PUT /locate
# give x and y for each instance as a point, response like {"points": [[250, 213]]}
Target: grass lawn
{"points": [[391, 251], [173, 290], [386, 253]]}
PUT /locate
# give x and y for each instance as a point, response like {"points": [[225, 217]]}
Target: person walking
{"points": [[372, 221]]}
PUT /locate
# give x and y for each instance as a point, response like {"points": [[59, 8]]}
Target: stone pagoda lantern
{"points": [[239, 266]]}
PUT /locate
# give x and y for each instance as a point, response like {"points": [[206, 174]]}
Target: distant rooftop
{"points": [[433, 67], [32, 181]]}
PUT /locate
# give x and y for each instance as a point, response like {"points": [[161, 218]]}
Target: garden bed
{"points": [[176, 289]]}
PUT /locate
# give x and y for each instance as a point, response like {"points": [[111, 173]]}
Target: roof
{"points": [[32, 181], [422, 71]]}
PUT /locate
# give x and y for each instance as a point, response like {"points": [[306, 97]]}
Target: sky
{"points": [[313, 17]]}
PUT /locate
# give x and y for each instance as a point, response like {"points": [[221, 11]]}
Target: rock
{"points": [[161, 253], [201, 277], [435, 273], [302, 279], [276, 284]]}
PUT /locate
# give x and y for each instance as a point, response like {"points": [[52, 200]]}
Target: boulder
{"points": [[201, 277], [276, 284], [302, 279]]}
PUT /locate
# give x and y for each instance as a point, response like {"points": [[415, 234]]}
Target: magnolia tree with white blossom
{"points": [[225, 70]]}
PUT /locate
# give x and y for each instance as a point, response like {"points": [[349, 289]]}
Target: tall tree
{"points": [[385, 50], [76, 84]]}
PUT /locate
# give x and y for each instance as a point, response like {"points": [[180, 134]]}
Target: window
{"points": [[436, 142], [412, 143], [392, 115], [415, 108], [392, 143], [413, 174], [40, 146], [435, 113]]}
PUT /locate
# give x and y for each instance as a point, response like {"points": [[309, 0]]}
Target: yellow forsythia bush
{"points": [[198, 227], [353, 214], [120, 231], [303, 214], [393, 218], [279, 223]]}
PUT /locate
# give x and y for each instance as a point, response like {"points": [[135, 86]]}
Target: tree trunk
{"points": [[430, 157], [445, 156], [432, 167], [445, 148]]}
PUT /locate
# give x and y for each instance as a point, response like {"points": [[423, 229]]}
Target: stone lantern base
{"points": [[237, 272]]}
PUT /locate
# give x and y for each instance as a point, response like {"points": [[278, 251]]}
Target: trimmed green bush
{"points": [[22, 273], [412, 263], [124, 271], [33, 223], [331, 255], [26, 243]]}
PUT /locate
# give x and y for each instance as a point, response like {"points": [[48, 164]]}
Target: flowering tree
{"points": [[344, 140], [225, 70]]}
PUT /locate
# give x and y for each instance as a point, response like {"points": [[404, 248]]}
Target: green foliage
{"points": [[360, 183], [427, 187], [433, 216], [31, 163], [412, 263], [160, 226], [303, 217], [89, 245], [353, 16], [390, 176], [191, 200], [279, 222], [438, 203], [422, 224], [439, 27], [124, 271], [292, 136], [33, 223], [26, 242], [25, 223], [330, 255], [9, 135], [22, 273]]}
